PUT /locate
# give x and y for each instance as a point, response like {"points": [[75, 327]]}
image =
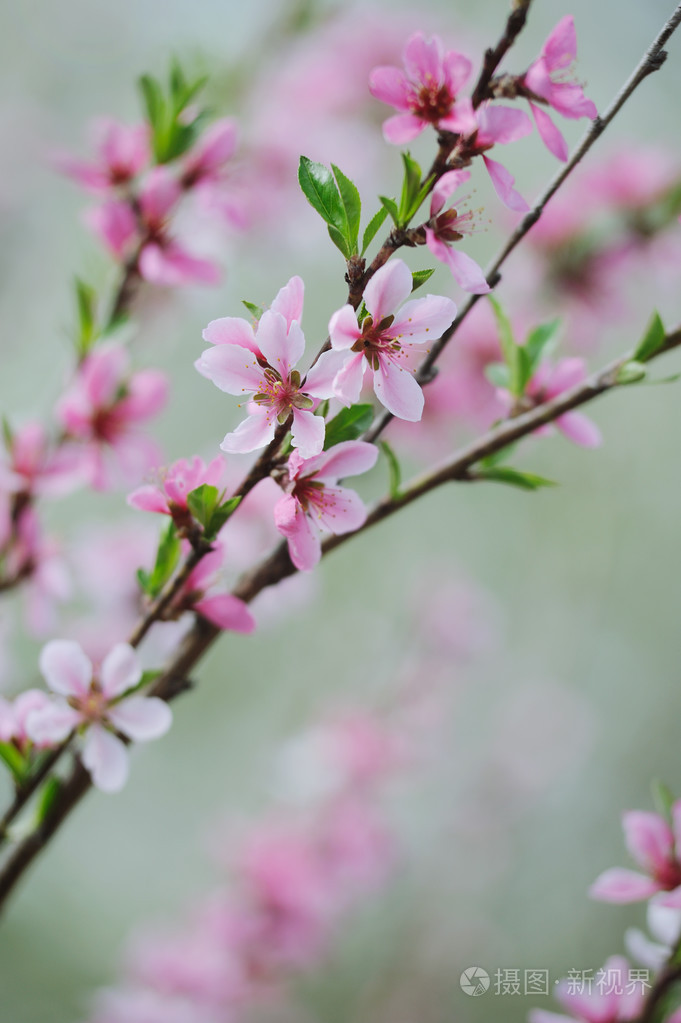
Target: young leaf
{"points": [[321, 191], [349, 424], [202, 503], [663, 798], [256, 311], [419, 278], [513, 477], [391, 206], [498, 456], [86, 298], [46, 797], [7, 433], [652, 340], [167, 557], [632, 372], [514, 361], [220, 516], [14, 760], [411, 186], [394, 467], [373, 227], [352, 205], [340, 240], [154, 103], [537, 340], [498, 375]]}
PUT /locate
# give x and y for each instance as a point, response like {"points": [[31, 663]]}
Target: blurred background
{"points": [[557, 651]]}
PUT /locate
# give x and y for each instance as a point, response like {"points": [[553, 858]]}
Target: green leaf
{"points": [[220, 516], [256, 311], [497, 457], [513, 477], [352, 204], [663, 798], [14, 760], [537, 340], [202, 502], [517, 363], [373, 227], [419, 278], [391, 206], [652, 340], [321, 191], [46, 797], [167, 557], [349, 424], [86, 299], [154, 102], [340, 240], [631, 372], [498, 374], [394, 467], [7, 433]]}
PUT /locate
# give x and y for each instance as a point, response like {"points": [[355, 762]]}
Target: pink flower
{"points": [[609, 998], [654, 845], [425, 91], [387, 341], [35, 467], [206, 160], [449, 227], [550, 381], [499, 125], [37, 558], [314, 501], [122, 152], [13, 717], [144, 232], [548, 79], [261, 363], [169, 497], [102, 409], [96, 703]]}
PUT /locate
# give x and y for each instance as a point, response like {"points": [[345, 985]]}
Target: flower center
{"points": [[282, 395], [432, 102], [376, 341], [93, 706]]}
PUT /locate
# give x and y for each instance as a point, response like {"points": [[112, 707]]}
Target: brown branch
{"points": [[493, 58]]}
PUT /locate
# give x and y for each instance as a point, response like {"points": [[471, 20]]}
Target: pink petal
{"points": [[114, 224], [66, 667], [344, 329], [103, 372], [231, 368], [676, 826], [319, 380], [570, 101], [227, 612], [148, 498], [88, 175], [340, 511], [619, 885], [307, 432], [51, 724], [501, 125], [560, 48], [669, 900], [289, 301], [457, 69], [403, 128], [389, 85], [503, 181], [214, 148], [170, 266], [423, 319], [347, 385], [649, 840], [580, 429], [445, 187], [231, 330], [550, 135], [424, 59], [398, 391], [141, 718], [349, 458], [303, 538], [106, 759], [461, 119], [282, 347], [253, 433], [158, 195], [388, 289], [147, 394], [465, 270], [121, 670]]}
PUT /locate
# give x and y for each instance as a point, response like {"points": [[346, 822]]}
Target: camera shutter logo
{"points": [[474, 981]]}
